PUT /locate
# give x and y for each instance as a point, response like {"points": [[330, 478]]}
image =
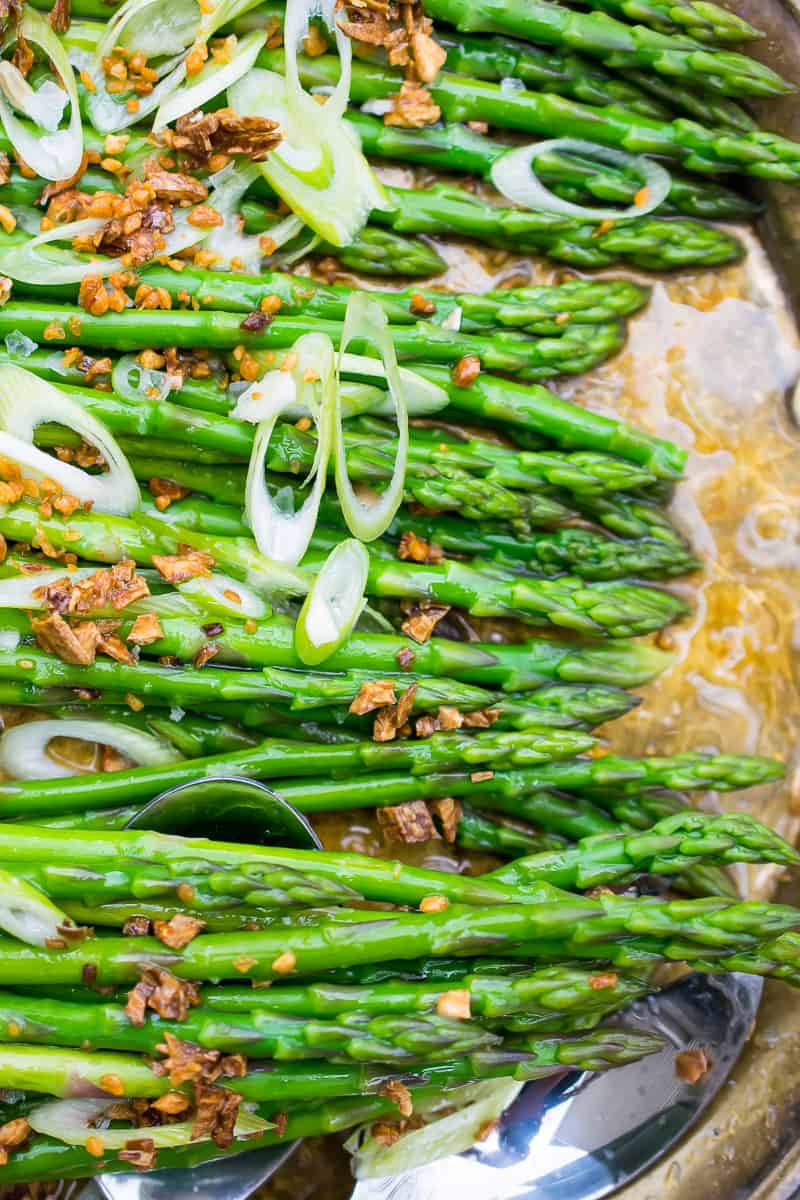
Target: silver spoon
{"points": [[231, 810], [579, 1136]]}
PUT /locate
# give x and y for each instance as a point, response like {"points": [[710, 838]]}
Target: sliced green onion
{"points": [[27, 401], [22, 259], [513, 174], [319, 169], [23, 748], [74, 1121], [334, 603], [311, 383], [227, 240], [225, 594], [421, 395], [365, 319], [156, 385], [27, 914], [163, 30], [44, 106], [17, 591], [57, 153], [476, 1104], [215, 77]]}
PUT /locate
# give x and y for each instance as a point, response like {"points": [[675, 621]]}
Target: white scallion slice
{"points": [[27, 401], [475, 1104], [514, 175], [365, 319], [17, 591], [44, 105], [215, 77], [333, 604], [164, 30], [311, 383], [421, 395], [26, 261], [26, 913], [225, 594], [23, 748], [155, 385], [57, 153], [319, 169], [228, 186], [73, 1121]]}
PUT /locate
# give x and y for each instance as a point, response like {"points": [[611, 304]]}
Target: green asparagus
{"points": [[576, 350], [619, 45]]}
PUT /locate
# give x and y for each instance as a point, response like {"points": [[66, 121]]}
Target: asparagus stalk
{"points": [[566, 74], [121, 863], [581, 551], [462, 98], [534, 409], [570, 427], [274, 758], [258, 697], [705, 21], [659, 550], [582, 472], [616, 609], [650, 243], [554, 917], [362, 1037], [587, 553], [562, 990], [456, 148], [513, 667], [671, 845], [529, 1059], [617, 44], [576, 350], [532, 309]]}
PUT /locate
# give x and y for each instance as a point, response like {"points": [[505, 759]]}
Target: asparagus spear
{"points": [[584, 552], [456, 148], [651, 243], [552, 916], [531, 309], [514, 667], [708, 22], [659, 550], [686, 839], [567, 74], [577, 349], [255, 698], [120, 861], [552, 990], [616, 609], [275, 758], [570, 427], [533, 408], [584, 181], [617, 44], [530, 1058], [666, 848], [461, 98], [363, 1037]]}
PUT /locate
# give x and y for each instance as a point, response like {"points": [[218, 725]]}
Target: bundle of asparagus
{"points": [[166, 1061]]}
